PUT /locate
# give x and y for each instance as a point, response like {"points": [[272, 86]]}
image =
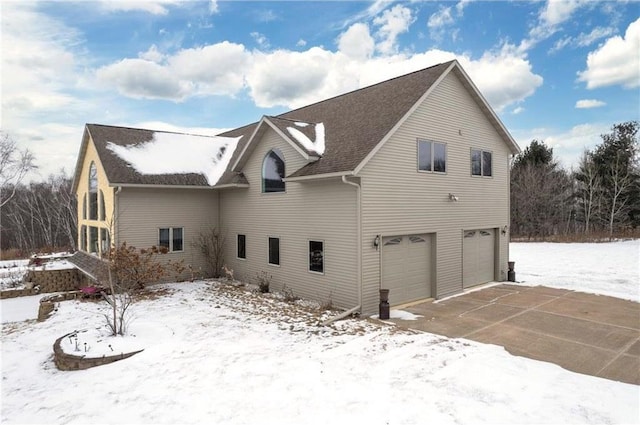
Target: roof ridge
{"points": [[151, 130], [364, 88]]}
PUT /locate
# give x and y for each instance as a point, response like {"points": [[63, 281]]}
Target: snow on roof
{"points": [[301, 124], [316, 145], [172, 153]]}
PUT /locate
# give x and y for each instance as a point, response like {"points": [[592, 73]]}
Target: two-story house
{"points": [[402, 185]]}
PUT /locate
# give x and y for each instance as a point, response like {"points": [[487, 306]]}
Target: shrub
{"points": [[263, 280]]}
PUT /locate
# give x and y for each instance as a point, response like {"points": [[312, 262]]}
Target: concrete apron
{"points": [[591, 334]]}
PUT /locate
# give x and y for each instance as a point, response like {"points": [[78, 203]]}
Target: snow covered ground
{"points": [[219, 354], [601, 268]]}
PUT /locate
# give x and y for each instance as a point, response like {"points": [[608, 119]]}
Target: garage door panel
{"points": [[406, 267], [478, 252]]}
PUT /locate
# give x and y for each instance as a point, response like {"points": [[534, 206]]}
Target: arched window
{"points": [[93, 192], [273, 172]]}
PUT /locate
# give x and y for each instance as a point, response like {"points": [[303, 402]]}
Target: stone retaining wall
{"points": [[13, 293], [48, 303], [65, 361], [55, 280]]}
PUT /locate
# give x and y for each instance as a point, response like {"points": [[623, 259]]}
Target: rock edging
{"points": [[66, 361]]}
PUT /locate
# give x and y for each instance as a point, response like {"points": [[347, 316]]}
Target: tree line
{"points": [[38, 215], [599, 198]]}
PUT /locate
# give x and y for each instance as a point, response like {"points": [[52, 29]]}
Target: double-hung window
{"points": [[481, 163], [171, 238], [432, 156]]}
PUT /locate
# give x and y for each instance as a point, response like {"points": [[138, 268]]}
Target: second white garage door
{"points": [[478, 253], [406, 267]]}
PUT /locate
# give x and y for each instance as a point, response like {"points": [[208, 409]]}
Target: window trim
{"points": [[170, 247], [238, 246], [432, 143], [482, 152], [269, 251], [324, 256], [277, 152]]}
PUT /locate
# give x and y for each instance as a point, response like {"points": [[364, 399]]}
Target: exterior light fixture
{"points": [[453, 198]]}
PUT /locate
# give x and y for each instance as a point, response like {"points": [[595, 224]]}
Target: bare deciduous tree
{"points": [[211, 245], [14, 165]]}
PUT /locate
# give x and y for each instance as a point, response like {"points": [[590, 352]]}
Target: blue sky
{"points": [[559, 71]]}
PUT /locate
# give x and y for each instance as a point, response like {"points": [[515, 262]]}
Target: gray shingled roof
{"points": [[354, 124]]}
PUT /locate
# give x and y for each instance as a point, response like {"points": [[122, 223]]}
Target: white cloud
{"points": [[558, 11], [583, 39], [216, 69], [356, 42], [517, 110], [213, 7], [550, 18], [440, 19], [260, 39], [392, 23], [153, 54], [301, 43], [567, 145], [287, 77], [141, 78], [616, 62], [155, 7], [589, 103]]}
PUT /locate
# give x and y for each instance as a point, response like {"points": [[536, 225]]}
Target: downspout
{"points": [[359, 239], [115, 215]]}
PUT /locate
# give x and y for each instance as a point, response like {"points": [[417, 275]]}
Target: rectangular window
{"points": [[83, 238], [316, 256], [481, 164], [93, 205], [93, 239], [242, 246], [274, 251], [432, 156], [104, 241], [171, 238]]}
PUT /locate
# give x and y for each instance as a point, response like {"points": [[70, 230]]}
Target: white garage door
{"points": [[406, 267], [478, 253]]}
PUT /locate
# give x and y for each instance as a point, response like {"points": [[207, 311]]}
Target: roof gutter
{"points": [[319, 176], [159, 186], [359, 239]]}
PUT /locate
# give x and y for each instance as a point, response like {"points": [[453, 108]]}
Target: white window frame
{"points": [[170, 247], [482, 152], [324, 256], [269, 251], [238, 246], [432, 144]]}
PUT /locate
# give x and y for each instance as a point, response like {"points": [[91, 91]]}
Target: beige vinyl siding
{"points": [[143, 211], [323, 210], [399, 200]]}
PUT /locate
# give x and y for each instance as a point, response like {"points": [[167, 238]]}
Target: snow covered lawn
{"points": [[218, 354], [601, 268]]}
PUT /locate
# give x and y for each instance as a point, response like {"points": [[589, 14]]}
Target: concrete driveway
{"points": [[591, 334]]}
